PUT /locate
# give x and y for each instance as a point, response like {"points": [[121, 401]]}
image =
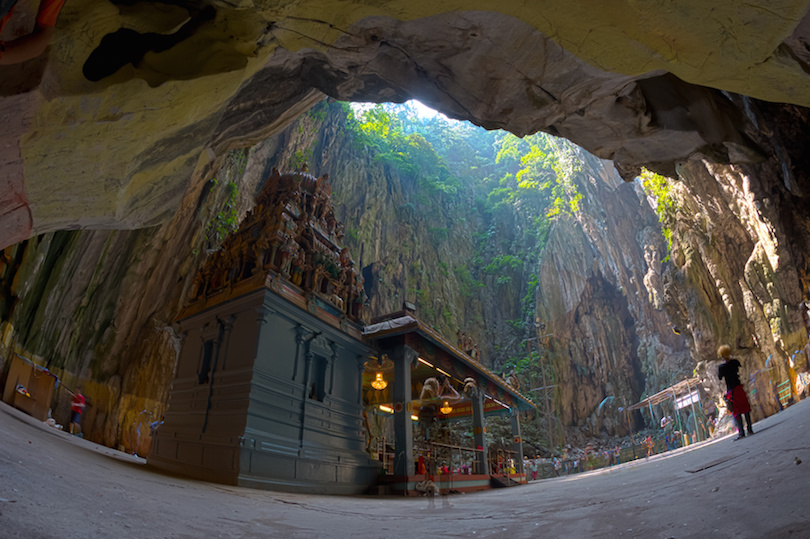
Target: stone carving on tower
{"points": [[291, 234]]}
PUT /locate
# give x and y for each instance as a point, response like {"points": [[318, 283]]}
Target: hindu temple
{"points": [[279, 381], [267, 389]]}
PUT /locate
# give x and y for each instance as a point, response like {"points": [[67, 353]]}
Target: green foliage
{"points": [[301, 157], [237, 161], [437, 233], [409, 153], [517, 324], [528, 300], [467, 281], [503, 263], [659, 189], [318, 112], [514, 188], [224, 222], [417, 293]]}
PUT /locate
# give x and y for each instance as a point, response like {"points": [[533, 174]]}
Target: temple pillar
{"points": [[479, 431], [403, 357], [517, 440]]}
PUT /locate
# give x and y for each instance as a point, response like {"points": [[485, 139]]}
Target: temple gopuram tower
{"points": [[267, 391]]}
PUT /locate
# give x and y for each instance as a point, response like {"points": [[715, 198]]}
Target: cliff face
{"points": [[740, 269], [600, 291], [599, 286], [97, 307]]}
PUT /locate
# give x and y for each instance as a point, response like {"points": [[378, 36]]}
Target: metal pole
{"points": [[632, 438], [550, 429], [678, 413], [697, 429]]}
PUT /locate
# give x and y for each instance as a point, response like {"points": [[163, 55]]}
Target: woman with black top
{"points": [[740, 407]]}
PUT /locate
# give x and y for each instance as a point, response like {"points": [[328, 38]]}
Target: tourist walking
{"points": [[730, 371], [77, 404]]}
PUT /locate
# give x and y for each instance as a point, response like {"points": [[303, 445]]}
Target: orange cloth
{"points": [[49, 11]]}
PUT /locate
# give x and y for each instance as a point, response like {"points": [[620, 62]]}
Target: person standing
{"points": [[730, 371], [77, 405]]}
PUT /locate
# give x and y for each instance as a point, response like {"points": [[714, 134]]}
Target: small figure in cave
{"points": [[458, 338], [289, 251], [735, 395], [434, 389], [338, 294], [512, 380], [34, 44], [476, 353], [299, 266], [469, 346], [345, 258], [259, 252], [470, 387], [323, 186], [77, 404]]}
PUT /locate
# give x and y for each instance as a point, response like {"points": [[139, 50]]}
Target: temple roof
{"points": [[291, 236], [446, 357]]}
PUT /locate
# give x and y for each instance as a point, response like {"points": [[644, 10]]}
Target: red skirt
{"points": [[739, 401]]}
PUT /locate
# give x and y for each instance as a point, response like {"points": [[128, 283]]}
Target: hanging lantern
{"points": [[446, 409], [379, 383]]}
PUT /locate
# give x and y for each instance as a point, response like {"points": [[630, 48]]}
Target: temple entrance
{"points": [[426, 403]]}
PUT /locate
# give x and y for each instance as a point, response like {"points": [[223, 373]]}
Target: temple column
{"points": [[361, 366], [403, 357], [479, 431], [517, 439]]}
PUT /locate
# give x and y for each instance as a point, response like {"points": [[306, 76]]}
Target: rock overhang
{"points": [[637, 83]]}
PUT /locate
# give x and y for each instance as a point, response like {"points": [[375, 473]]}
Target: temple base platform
{"points": [[449, 484]]}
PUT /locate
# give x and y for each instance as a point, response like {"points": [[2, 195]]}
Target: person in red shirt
{"points": [[35, 43], [77, 407]]}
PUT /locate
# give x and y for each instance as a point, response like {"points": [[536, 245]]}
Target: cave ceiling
{"points": [[134, 102]]}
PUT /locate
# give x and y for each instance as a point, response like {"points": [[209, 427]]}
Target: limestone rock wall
{"points": [[600, 293], [739, 273], [410, 242], [97, 307]]}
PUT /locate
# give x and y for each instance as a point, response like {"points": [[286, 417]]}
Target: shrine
{"points": [[419, 382], [278, 382], [267, 391]]}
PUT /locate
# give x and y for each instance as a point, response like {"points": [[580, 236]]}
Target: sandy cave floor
{"points": [[56, 485]]}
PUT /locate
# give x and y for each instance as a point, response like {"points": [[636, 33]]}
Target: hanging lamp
{"points": [[379, 383], [446, 408]]}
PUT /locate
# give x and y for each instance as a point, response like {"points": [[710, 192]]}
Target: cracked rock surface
{"points": [[135, 99]]}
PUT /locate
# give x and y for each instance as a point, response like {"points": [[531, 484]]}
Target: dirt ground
{"points": [[56, 485]]}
